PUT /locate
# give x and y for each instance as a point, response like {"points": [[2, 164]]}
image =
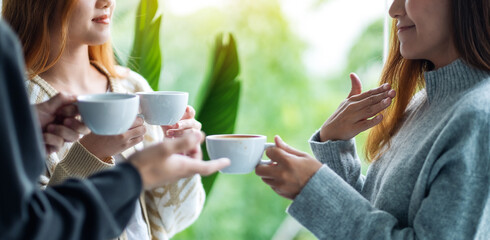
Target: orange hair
{"points": [[471, 34], [31, 20]]}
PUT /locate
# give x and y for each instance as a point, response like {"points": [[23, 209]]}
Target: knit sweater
{"points": [[433, 182], [168, 209]]}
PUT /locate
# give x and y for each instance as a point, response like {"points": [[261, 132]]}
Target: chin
{"points": [[408, 54], [97, 42], [98, 38]]}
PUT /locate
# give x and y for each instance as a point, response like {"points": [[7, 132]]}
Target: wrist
{"points": [[323, 136], [89, 147]]}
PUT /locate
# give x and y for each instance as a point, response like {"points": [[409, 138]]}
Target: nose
{"points": [[105, 3], [397, 8]]}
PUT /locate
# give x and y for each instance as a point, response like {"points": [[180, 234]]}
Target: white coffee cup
{"points": [[244, 151], [108, 113], [163, 107]]}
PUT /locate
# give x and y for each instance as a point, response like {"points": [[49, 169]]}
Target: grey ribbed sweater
{"points": [[433, 182]]}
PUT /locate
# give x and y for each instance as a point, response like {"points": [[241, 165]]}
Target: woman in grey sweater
{"points": [[430, 149]]}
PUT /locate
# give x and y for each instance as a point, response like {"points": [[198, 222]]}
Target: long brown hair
{"points": [[32, 19], [471, 35]]}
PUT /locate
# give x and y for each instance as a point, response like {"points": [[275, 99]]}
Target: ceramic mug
{"points": [[163, 107], [244, 151], [108, 113]]}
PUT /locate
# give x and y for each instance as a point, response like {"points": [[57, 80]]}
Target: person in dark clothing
{"points": [[95, 208]]}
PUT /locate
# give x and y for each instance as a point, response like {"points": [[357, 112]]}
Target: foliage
{"points": [[146, 57], [279, 96], [219, 95], [217, 103]]}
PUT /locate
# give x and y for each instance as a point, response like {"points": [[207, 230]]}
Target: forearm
{"points": [[341, 157], [78, 162], [331, 209], [76, 209]]}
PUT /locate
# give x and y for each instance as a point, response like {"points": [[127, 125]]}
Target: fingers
{"points": [[137, 122], [206, 168], [61, 99], [269, 171], [190, 113], [76, 125], [383, 88], [356, 85], [67, 111], [51, 149], [186, 122], [369, 111], [279, 155], [374, 99], [182, 127], [195, 153], [53, 142], [135, 132], [64, 132], [134, 141], [185, 143], [369, 123], [281, 144]]}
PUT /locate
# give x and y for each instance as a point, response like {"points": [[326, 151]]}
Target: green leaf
{"points": [[219, 95], [146, 57]]}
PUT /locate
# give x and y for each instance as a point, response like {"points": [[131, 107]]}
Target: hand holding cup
{"points": [[59, 124]]}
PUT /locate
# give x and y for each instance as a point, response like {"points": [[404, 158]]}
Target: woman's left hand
{"points": [[187, 124], [289, 170]]}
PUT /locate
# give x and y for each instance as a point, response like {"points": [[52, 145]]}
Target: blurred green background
{"points": [[282, 93]]}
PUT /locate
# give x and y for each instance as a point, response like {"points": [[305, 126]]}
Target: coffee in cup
{"points": [[163, 107], [244, 151], [108, 113]]}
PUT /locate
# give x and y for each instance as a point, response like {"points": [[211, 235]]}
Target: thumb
{"points": [[53, 104], [284, 146], [356, 85]]}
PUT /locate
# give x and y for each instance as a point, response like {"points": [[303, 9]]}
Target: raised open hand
{"points": [[357, 113]]}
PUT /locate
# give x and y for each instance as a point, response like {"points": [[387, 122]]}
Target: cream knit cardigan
{"points": [[168, 209]]}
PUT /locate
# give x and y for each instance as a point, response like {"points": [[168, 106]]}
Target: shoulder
{"points": [[466, 131], [475, 102], [8, 38], [37, 90], [132, 81]]}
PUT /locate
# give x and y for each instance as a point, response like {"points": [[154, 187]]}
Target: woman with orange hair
{"points": [[430, 157], [67, 49]]}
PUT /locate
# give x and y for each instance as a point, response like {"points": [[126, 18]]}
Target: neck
{"points": [[73, 72], [445, 57]]}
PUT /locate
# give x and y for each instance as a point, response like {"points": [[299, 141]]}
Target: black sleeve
{"points": [[96, 208]]}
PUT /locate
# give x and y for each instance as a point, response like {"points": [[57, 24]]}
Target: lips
{"points": [[405, 28], [104, 19]]}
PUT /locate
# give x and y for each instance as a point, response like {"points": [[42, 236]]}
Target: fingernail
{"points": [[225, 161], [385, 86], [386, 100]]}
